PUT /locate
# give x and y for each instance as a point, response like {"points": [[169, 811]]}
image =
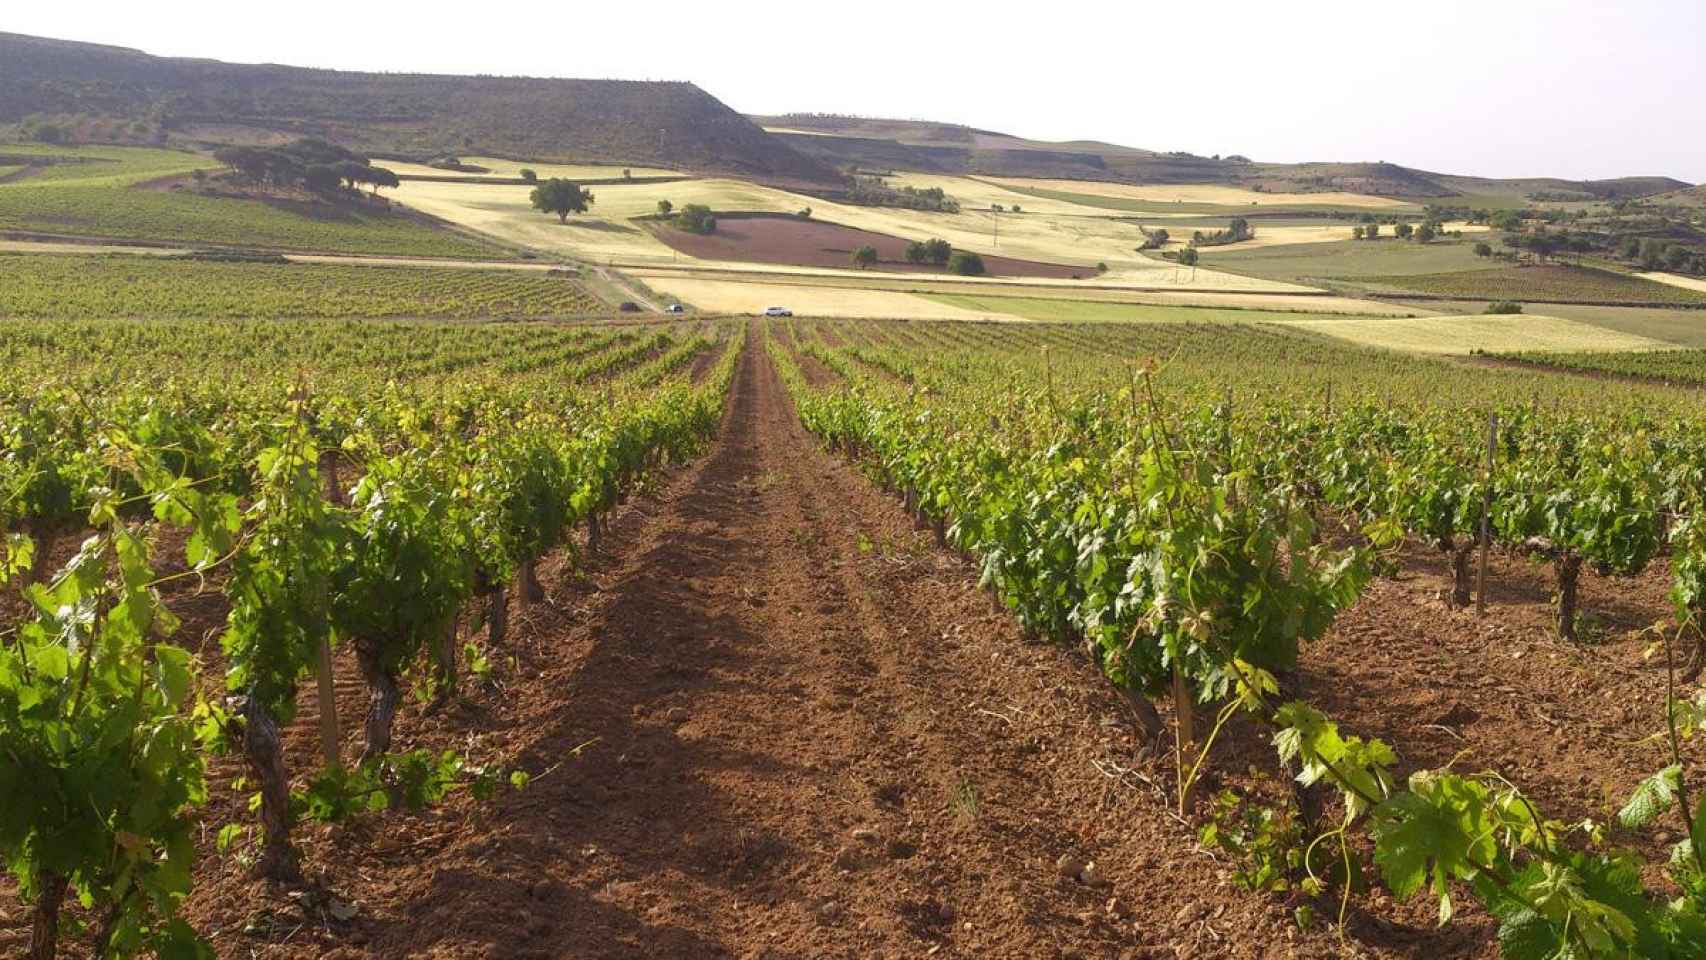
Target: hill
{"points": [[125, 94], [871, 143]]}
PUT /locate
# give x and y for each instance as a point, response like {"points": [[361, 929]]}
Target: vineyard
{"points": [[128, 287], [104, 192], [1196, 540], [978, 639], [320, 498], [1687, 367]]}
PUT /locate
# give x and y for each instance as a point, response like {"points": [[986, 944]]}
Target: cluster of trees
{"points": [[1237, 231], [311, 163], [561, 197], [941, 253], [935, 252], [998, 208], [1654, 253], [1154, 239], [1426, 232], [874, 192], [1545, 244], [697, 218]]}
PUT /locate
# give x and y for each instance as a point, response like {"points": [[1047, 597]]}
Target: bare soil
{"points": [[781, 238], [774, 720]]}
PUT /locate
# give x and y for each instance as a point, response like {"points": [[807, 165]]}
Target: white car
{"points": [[778, 312]]}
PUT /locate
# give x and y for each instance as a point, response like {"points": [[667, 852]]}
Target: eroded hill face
{"points": [[632, 122]]}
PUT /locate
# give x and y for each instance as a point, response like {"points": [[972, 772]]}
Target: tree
{"points": [[49, 133], [996, 207], [697, 218], [1483, 249], [627, 174], [865, 256], [1506, 220], [561, 197], [805, 213], [1403, 231], [1371, 232], [1356, 233], [1426, 233], [938, 251], [322, 178], [665, 207], [381, 177], [965, 263], [529, 174], [1188, 257], [1016, 209], [917, 252]]}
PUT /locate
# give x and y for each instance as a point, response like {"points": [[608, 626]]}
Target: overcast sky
{"points": [[1567, 88]]}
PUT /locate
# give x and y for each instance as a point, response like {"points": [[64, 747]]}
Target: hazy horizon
{"points": [[1573, 90]]}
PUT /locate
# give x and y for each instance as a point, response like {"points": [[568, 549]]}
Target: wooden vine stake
{"points": [[1486, 513], [329, 735]]}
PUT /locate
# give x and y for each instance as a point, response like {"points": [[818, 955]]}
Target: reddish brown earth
{"points": [[774, 720], [781, 238]]}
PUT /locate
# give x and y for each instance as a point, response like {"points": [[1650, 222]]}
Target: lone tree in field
{"points": [[561, 197], [966, 264], [1188, 257], [1483, 249], [529, 174], [865, 256], [665, 208]]}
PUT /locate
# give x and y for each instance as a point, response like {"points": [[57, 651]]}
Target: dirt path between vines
{"points": [[779, 723]]}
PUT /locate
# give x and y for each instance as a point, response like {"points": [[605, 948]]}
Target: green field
{"points": [[1555, 282], [81, 287], [96, 192], [1349, 259], [1664, 366]]}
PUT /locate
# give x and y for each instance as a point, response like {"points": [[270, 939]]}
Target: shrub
{"points": [[529, 174], [965, 263], [865, 256], [1504, 306], [1483, 249], [665, 208]]}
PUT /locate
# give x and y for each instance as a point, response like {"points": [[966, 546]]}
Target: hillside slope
{"points": [[870, 143], [418, 115]]}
